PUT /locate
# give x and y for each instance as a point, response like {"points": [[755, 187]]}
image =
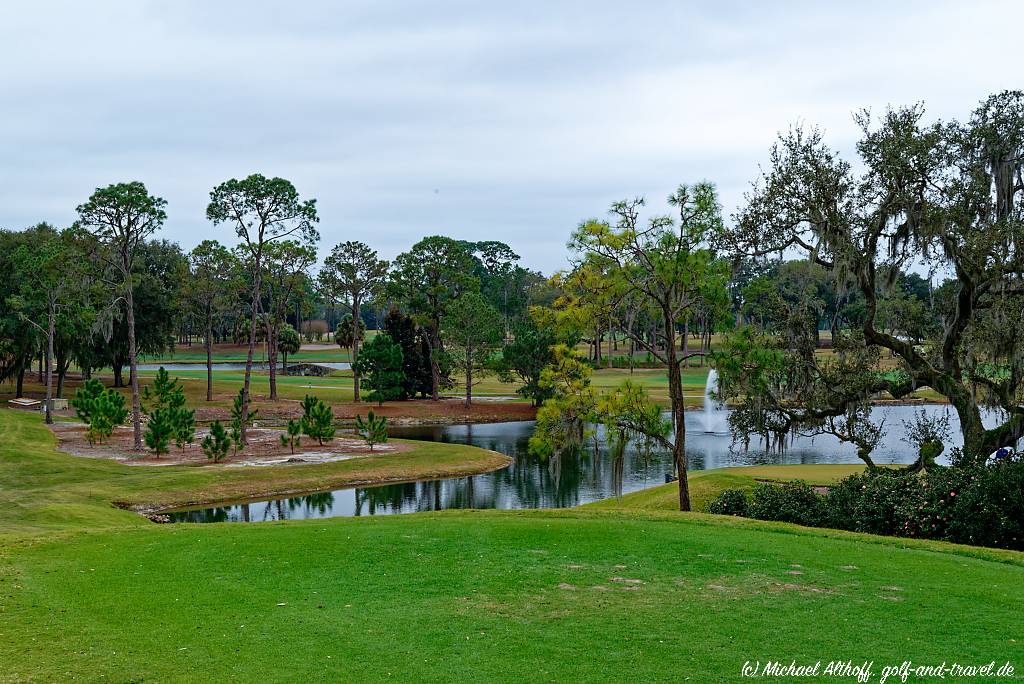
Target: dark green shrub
{"points": [[889, 503], [184, 427], [795, 503], [982, 505], [976, 504], [380, 366], [168, 417], [840, 504], [730, 502]]}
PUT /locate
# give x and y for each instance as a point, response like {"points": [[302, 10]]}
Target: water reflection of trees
{"points": [[599, 470], [298, 507], [596, 471]]}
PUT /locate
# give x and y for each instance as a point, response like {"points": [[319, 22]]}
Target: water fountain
{"points": [[716, 420]]}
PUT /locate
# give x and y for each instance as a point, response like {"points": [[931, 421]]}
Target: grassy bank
{"points": [[91, 592], [705, 485]]}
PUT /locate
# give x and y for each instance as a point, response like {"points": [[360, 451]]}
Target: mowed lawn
{"points": [[100, 594], [496, 597]]}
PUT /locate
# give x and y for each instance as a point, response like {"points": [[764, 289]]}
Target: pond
{"points": [[561, 482], [233, 366]]}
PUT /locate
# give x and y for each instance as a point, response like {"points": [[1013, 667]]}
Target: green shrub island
{"points": [[317, 419], [164, 403], [977, 504], [100, 408], [373, 430], [216, 444]]}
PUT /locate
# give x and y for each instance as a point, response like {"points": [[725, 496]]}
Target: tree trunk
{"points": [[272, 358], [435, 367], [209, 357], [118, 375], [611, 339], [675, 389], [355, 347], [19, 390], [62, 372], [133, 368], [257, 281], [469, 377], [685, 344], [51, 325]]}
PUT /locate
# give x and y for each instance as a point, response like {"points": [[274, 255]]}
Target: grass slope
{"points": [[577, 595]]}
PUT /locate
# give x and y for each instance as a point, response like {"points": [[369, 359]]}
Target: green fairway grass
{"points": [[90, 592]]}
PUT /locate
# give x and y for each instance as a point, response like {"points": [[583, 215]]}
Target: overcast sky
{"points": [[474, 120]]}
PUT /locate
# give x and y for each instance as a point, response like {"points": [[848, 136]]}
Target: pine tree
{"points": [[380, 363], [317, 419], [100, 408], [293, 435], [168, 417], [159, 430], [374, 430], [184, 427], [164, 393], [216, 444]]}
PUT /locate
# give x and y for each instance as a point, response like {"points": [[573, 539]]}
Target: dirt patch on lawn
{"points": [[264, 449]]}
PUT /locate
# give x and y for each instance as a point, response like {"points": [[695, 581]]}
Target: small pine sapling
{"points": [[317, 419], [165, 393], [373, 430], [184, 427], [293, 435], [216, 444], [159, 430], [101, 409]]}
